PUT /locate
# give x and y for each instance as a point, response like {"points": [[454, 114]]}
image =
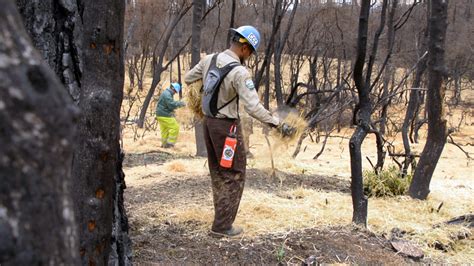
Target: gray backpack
{"points": [[211, 86]]}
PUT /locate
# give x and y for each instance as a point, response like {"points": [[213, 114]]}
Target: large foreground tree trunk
{"points": [[437, 128], [97, 162], [85, 39], [37, 224]]}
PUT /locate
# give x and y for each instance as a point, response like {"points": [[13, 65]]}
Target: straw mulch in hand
{"points": [[194, 98]]}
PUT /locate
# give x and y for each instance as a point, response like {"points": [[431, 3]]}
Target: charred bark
{"points": [[37, 225], [278, 15], [97, 161], [56, 30], [359, 200], [195, 58], [437, 124], [96, 40]]}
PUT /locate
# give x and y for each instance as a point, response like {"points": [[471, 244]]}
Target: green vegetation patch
{"points": [[388, 183]]}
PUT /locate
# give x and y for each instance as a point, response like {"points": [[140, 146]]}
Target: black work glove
{"points": [[286, 130]]}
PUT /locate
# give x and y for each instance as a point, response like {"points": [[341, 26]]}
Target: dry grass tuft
{"points": [[194, 98], [177, 167]]}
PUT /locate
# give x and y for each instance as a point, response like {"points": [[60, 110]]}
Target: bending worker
{"points": [[165, 108], [222, 116]]}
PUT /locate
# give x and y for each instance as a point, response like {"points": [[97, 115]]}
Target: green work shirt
{"points": [[166, 104]]}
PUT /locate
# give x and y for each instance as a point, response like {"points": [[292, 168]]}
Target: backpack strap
{"points": [[226, 70], [213, 62], [227, 103]]}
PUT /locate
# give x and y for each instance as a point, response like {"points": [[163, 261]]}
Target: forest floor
{"points": [[302, 214]]}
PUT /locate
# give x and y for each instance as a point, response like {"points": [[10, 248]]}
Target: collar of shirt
{"points": [[232, 54]]}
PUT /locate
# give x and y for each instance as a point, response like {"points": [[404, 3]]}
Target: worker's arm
{"points": [[248, 96], [196, 73], [171, 103]]}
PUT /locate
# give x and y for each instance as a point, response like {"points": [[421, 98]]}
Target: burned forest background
{"points": [[339, 63]]}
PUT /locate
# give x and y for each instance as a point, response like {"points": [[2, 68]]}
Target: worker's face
{"points": [[246, 52]]}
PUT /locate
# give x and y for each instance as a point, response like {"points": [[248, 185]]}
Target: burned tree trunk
{"points": [[195, 57], [278, 15], [97, 162], [389, 68], [94, 45], [359, 200], [231, 23], [414, 101], [37, 225], [279, 46], [363, 111], [437, 128]]}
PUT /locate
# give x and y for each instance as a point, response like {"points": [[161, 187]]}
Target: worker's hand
{"points": [[286, 130]]}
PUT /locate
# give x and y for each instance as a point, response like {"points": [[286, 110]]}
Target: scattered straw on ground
{"points": [[176, 167]]}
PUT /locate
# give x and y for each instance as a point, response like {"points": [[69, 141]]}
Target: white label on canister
{"points": [[228, 152]]}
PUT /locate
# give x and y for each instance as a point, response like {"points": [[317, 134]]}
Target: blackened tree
{"points": [[37, 225], [83, 42], [437, 124]]}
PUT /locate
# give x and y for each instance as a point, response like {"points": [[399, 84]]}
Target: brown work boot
{"points": [[232, 232]]}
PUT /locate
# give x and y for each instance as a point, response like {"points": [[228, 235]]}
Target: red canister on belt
{"points": [[229, 148]]}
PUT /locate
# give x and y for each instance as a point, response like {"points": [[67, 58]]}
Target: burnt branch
{"points": [[451, 141]]}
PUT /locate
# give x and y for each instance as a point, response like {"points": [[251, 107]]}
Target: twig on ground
{"points": [[451, 141]]}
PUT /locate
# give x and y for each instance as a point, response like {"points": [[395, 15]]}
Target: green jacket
{"points": [[166, 104]]}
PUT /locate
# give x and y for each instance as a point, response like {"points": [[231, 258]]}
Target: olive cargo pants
{"points": [[227, 184]]}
